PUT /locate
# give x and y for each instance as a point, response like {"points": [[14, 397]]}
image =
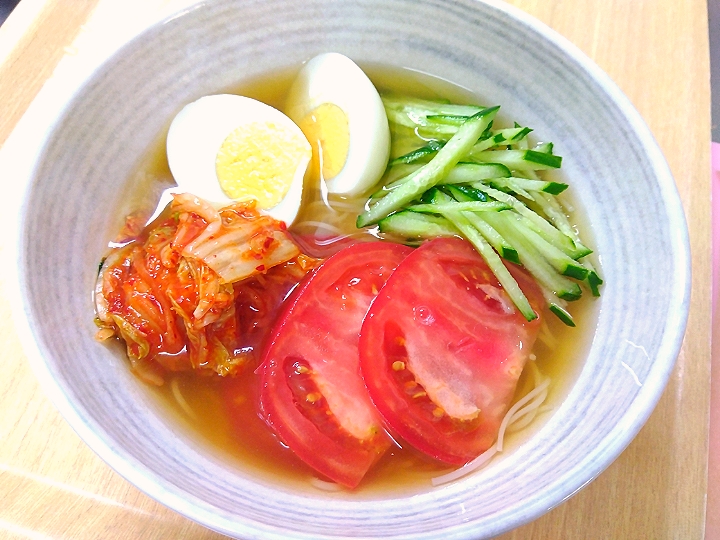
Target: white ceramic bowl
{"points": [[75, 187]]}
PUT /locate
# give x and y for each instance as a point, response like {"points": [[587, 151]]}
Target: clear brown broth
{"points": [[244, 441]]}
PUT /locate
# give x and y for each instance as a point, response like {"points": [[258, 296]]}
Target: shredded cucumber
{"points": [[413, 225], [421, 108], [462, 173], [472, 206], [525, 185], [431, 173], [521, 160], [539, 224], [419, 154], [464, 177], [495, 239]]}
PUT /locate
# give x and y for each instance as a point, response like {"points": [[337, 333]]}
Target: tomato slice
{"points": [[312, 393], [442, 348]]}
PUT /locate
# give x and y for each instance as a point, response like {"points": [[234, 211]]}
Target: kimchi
{"points": [[198, 289]]}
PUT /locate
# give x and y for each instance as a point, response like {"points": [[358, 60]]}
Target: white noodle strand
{"points": [[523, 417], [330, 241], [466, 469], [526, 407], [175, 386], [546, 337], [511, 414], [320, 225]]}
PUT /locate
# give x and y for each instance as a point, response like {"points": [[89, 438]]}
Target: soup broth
{"points": [[222, 412]]}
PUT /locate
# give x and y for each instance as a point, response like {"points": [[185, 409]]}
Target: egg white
{"points": [[334, 78], [196, 135]]}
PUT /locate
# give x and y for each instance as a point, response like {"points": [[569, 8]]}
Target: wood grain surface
{"points": [[53, 486]]}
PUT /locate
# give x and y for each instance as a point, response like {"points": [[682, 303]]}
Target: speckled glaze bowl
{"points": [[80, 176]]}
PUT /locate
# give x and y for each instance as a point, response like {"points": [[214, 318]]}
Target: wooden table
{"points": [[53, 486]]}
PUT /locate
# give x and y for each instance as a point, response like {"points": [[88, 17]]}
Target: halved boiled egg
{"points": [[341, 113], [225, 148]]}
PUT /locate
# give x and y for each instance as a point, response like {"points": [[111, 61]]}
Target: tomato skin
{"points": [[312, 393], [442, 348]]}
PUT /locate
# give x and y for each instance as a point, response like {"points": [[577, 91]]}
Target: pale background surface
{"points": [[52, 486], [714, 27], [713, 503]]}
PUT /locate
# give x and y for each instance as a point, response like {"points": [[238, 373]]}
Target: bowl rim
{"points": [[25, 158]]}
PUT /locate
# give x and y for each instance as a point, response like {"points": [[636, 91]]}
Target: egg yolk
{"points": [[259, 160], [326, 127]]}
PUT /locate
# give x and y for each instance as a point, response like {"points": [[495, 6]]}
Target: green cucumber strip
{"points": [[562, 314], [542, 158], [499, 136], [491, 258], [494, 238], [531, 175], [423, 108], [414, 225], [522, 144], [436, 131], [464, 173], [554, 211], [593, 280], [539, 224], [555, 237], [400, 117], [447, 119], [441, 126], [545, 148], [379, 194], [498, 183], [396, 174], [404, 143], [552, 208], [525, 184], [454, 206], [564, 264], [532, 260], [431, 173], [499, 244], [489, 139], [411, 157], [465, 193], [502, 137], [521, 160], [521, 134], [557, 306], [495, 263]]}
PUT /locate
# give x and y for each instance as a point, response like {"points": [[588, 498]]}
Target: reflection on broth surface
{"points": [[223, 411]]}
